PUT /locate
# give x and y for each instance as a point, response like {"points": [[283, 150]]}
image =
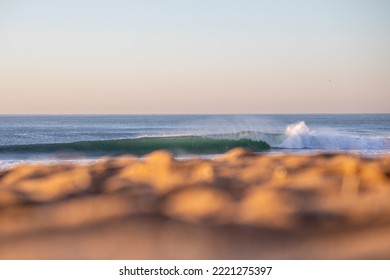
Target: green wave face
{"points": [[142, 146]]}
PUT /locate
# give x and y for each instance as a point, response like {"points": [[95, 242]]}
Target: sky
{"points": [[194, 57]]}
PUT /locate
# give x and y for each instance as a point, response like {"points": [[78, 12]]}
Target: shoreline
{"points": [[81, 159], [235, 206]]}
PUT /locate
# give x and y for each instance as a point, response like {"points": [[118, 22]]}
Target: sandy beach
{"points": [[237, 206]]}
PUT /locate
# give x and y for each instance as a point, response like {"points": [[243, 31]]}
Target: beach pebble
{"points": [[52, 186], [197, 204], [265, 207]]}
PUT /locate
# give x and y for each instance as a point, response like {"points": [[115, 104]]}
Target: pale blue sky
{"points": [[194, 56]]}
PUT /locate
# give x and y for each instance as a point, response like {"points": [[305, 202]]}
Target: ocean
{"points": [[84, 138]]}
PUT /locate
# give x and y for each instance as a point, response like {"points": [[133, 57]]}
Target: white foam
{"points": [[299, 136], [297, 129], [7, 164]]}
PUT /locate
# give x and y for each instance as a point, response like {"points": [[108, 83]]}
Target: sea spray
{"points": [[299, 136]]}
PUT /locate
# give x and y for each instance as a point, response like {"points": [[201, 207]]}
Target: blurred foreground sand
{"points": [[238, 206]]}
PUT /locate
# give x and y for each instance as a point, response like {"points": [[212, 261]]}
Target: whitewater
{"points": [[299, 136]]}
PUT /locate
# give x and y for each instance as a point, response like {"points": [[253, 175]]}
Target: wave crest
{"points": [[142, 146], [297, 129], [299, 136]]}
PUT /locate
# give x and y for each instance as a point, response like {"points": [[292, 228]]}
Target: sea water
{"points": [[53, 138]]}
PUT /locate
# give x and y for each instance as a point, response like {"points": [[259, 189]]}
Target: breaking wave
{"points": [[296, 136], [142, 146], [299, 136]]}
